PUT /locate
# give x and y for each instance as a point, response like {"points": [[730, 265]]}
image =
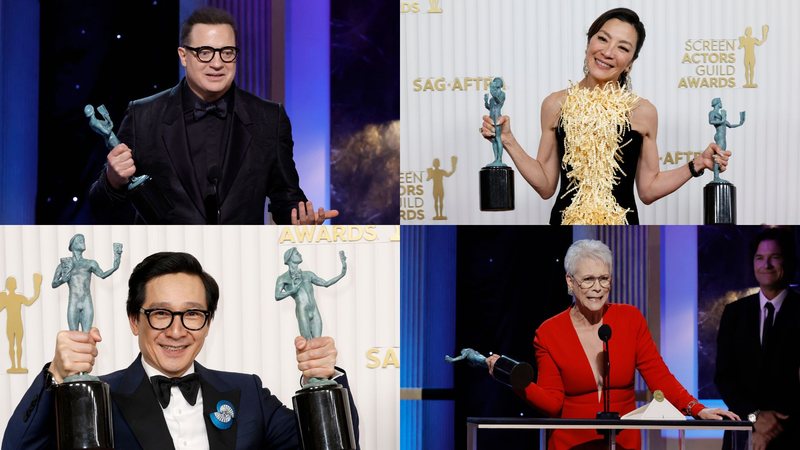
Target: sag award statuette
{"points": [[512, 373], [719, 196], [322, 406], [83, 402], [148, 200], [497, 179]]}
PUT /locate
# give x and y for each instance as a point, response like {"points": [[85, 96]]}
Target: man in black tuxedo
{"points": [[171, 303], [758, 362], [214, 151]]}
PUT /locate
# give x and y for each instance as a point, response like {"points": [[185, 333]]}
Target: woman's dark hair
{"points": [[628, 16], [785, 241], [165, 263], [209, 16]]}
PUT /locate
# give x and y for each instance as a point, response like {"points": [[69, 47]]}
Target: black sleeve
{"points": [[108, 205], [284, 183], [726, 373], [33, 424]]}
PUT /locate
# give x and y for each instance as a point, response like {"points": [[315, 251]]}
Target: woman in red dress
{"points": [[569, 356]]}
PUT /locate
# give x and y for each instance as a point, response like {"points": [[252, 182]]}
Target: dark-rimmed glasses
{"points": [[588, 282], [206, 54], [161, 319]]}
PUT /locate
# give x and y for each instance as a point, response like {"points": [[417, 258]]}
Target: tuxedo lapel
{"points": [[137, 401], [752, 328], [177, 148], [218, 439], [786, 318]]}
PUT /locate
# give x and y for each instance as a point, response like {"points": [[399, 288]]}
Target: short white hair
{"points": [[587, 248]]}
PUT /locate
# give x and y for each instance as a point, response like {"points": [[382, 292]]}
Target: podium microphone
{"points": [[604, 333]]}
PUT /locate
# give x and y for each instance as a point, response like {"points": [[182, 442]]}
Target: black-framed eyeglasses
{"points": [[161, 319], [588, 282], [206, 54]]}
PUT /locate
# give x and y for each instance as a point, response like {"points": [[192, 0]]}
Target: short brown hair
{"points": [[209, 16]]}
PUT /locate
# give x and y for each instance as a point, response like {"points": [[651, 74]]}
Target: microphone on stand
{"points": [[605, 335]]}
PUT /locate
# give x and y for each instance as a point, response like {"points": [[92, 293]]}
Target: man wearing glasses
{"points": [[214, 151], [164, 397]]}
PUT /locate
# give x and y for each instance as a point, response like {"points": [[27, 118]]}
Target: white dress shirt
{"points": [[184, 421], [776, 302]]}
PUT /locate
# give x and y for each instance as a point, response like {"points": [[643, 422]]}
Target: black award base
{"points": [[512, 373], [609, 415], [497, 188], [83, 415], [324, 418], [719, 203], [148, 200]]}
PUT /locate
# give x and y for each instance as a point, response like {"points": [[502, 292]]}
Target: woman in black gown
{"points": [[588, 195]]}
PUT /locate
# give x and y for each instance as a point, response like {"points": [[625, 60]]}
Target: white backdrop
{"points": [[251, 332], [537, 47]]}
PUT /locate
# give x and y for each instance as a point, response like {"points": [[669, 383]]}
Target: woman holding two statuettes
{"points": [[569, 356], [598, 136]]}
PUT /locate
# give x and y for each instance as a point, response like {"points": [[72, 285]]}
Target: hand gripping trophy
{"points": [[514, 374], [148, 200], [719, 196], [83, 402], [322, 406], [496, 178]]}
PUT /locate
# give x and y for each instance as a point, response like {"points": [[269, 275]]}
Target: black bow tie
{"points": [[219, 109], [188, 385]]}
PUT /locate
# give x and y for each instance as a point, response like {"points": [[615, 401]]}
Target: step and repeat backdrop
{"points": [[251, 332], [737, 50]]}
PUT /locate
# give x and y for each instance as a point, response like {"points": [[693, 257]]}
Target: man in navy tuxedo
{"points": [[165, 399], [758, 362], [215, 152]]}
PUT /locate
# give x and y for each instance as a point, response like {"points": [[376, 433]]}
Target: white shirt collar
{"points": [[152, 371], [776, 302]]}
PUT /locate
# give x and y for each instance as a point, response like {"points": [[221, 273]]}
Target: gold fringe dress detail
{"points": [[594, 121]]}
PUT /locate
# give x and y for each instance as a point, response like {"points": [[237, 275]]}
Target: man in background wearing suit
{"points": [[214, 151], [758, 362], [165, 399]]}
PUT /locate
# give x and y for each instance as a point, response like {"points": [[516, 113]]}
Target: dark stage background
{"points": [[99, 53], [725, 274], [365, 111], [509, 280]]}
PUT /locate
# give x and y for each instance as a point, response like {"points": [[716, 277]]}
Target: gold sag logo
{"points": [[749, 43], [412, 203], [437, 175], [382, 357], [713, 61], [434, 7], [12, 302], [677, 158], [439, 84], [299, 234]]}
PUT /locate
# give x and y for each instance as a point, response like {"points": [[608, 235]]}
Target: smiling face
{"points": [[610, 52], [209, 80], [173, 350], [594, 297], [768, 265]]}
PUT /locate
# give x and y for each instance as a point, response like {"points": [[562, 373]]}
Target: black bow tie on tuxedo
{"points": [[188, 385], [218, 108]]}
